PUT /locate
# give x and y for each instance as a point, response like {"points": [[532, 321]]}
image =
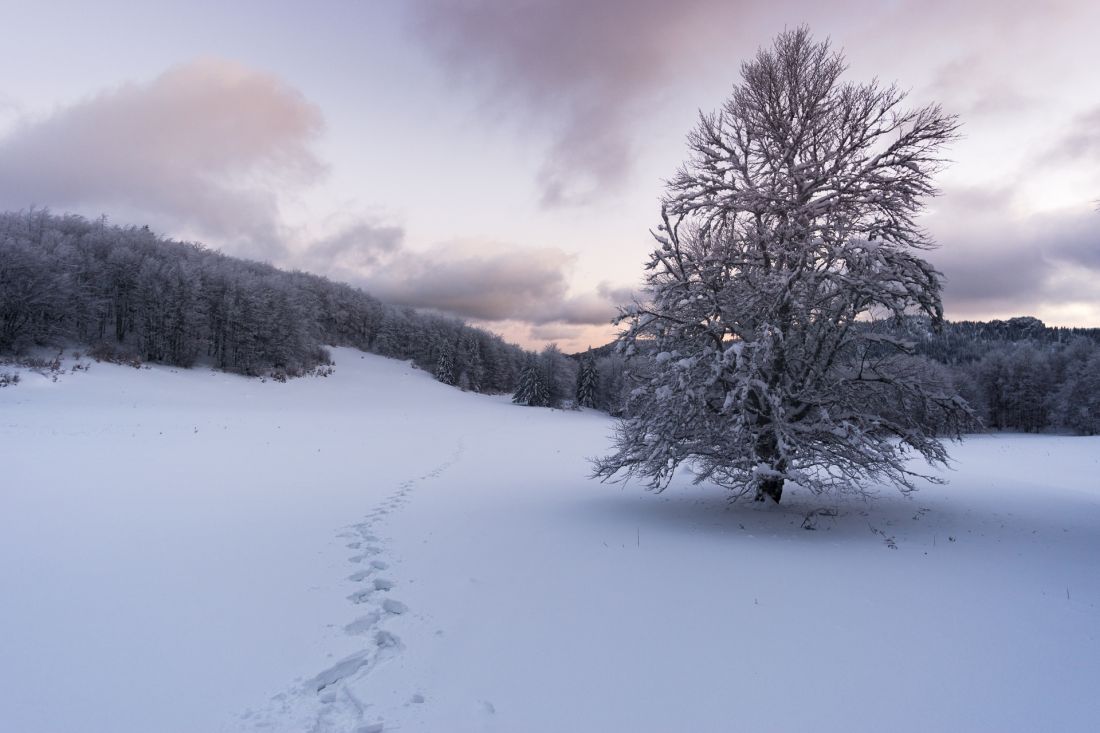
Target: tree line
{"points": [[129, 293], [1018, 374], [132, 295]]}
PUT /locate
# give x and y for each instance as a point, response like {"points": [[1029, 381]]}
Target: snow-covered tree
{"points": [[588, 379], [532, 390], [445, 367], [558, 375], [1078, 403], [792, 223], [33, 295], [469, 366], [1016, 385]]}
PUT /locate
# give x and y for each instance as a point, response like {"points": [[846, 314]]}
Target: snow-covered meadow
{"points": [[190, 551]]}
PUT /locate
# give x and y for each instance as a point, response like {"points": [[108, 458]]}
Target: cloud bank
{"points": [[577, 70], [489, 283], [204, 147], [999, 263]]}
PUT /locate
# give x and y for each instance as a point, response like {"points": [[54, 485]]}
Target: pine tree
{"points": [[532, 390], [445, 368], [588, 379], [469, 366]]}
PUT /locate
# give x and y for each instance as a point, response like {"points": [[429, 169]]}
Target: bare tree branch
{"points": [[792, 222]]}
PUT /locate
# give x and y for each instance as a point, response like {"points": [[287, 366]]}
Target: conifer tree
{"points": [[444, 367], [588, 379], [532, 390]]}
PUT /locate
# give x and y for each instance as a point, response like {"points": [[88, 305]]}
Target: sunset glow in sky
{"points": [[503, 160]]}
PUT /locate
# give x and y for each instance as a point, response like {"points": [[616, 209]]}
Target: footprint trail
{"points": [[326, 702]]}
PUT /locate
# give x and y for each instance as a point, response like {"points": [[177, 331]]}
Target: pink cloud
{"points": [[204, 147]]}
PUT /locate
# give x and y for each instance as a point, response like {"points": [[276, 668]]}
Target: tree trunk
{"points": [[767, 452], [771, 488]]}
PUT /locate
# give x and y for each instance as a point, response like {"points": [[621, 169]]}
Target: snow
{"points": [[193, 551]]}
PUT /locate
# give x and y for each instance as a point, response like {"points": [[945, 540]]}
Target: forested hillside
{"points": [[1018, 374], [128, 293]]}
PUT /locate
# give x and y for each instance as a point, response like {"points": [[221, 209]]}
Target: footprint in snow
{"points": [[367, 553], [336, 697], [385, 640], [361, 596], [341, 670], [363, 624]]}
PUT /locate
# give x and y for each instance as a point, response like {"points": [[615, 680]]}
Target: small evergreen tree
{"points": [[532, 390], [588, 379], [445, 368], [469, 366]]}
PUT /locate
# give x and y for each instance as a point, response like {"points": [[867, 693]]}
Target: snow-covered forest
{"points": [[130, 294], [1018, 374]]}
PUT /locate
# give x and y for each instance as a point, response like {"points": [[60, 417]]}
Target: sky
{"points": [[504, 160]]}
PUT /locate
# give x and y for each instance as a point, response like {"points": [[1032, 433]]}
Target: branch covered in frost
{"points": [[790, 228]]}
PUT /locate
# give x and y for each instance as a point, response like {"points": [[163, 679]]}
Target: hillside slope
{"points": [[192, 551]]}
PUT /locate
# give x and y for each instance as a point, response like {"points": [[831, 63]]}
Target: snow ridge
{"points": [[327, 701]]}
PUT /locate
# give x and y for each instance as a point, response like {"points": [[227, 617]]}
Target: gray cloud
{"points": [[203, 147], [995, 261], [617, 295], [974, 85], [362, 245], [1080, 142], [555, 332], [488, 287], [589, 309], [584, 72], [9, 107], [488, 284], [579, 67]]}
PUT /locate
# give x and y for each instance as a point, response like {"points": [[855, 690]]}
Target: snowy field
{"points": [[191, 552]]}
